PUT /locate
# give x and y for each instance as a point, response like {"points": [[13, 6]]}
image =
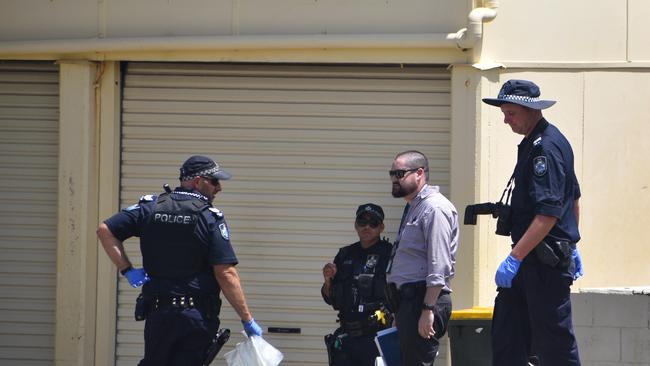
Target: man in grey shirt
{"points": [[423, 260]]}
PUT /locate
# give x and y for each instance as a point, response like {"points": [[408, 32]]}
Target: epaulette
{"points": [[143, 199], [216, 212], [147, 198]]}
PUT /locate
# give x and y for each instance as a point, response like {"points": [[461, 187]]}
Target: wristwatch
{"points": [[426, 306], [126, 270]]}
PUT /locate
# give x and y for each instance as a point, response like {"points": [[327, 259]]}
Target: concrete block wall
{"points": [[613, 326]]}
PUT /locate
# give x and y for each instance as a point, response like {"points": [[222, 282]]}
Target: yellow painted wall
{"points": [[604, 114], [559, 30]]}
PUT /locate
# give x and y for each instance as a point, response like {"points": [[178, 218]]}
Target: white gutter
{"points": [[468, 37], [196, 43]]}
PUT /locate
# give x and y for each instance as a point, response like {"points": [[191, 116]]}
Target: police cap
{"points": [[202, 166], [372, 210]]}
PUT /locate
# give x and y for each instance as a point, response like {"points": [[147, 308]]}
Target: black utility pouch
{"points": [[142, 307], [213, 307], [556, 254]]}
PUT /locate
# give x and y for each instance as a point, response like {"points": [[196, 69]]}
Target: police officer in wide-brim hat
{"points": [[521, 92], [532, 311]]}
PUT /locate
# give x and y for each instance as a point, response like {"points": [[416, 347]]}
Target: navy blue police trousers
{"points": [[533, 317], [356, 351], [177, 337]]}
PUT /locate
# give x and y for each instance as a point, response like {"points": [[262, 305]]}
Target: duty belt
{"points": [[359, 328], [179, 302]]}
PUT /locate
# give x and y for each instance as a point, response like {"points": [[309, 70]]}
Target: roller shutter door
{"points": [[306, 145], [29, 110]]}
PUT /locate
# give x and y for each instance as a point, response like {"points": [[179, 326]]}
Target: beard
{"points": [[398, 191], [403, 189]]}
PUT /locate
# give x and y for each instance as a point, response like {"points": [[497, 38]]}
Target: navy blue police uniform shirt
{"points": [[545, 183], [131, 220]]}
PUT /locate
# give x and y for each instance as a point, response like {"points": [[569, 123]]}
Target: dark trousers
{"points": [[356, 351], [415, 350], [533, 317], [177, 337]]}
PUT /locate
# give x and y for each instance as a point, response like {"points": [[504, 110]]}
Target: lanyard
{"points": [[399, 235]]}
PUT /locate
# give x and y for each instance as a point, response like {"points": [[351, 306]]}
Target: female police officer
{"points": [[187, 259], [354, 285]]}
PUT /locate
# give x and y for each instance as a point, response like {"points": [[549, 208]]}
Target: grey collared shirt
{"points": [[427, 241]]}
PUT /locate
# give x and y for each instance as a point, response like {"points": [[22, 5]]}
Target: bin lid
{"points": [[477, 312]]}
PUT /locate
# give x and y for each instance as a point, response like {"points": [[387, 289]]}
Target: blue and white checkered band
{"points": [[203, 173], [197, 195], [518, 97]]}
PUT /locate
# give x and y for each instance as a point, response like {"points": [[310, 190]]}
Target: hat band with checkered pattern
{"points": [[202, 173]]}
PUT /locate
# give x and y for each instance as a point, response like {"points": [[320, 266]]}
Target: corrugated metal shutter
{"points": [[29, 114], [306, 145]]}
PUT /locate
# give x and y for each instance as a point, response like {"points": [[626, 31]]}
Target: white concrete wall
{"points": [[612, 329]]}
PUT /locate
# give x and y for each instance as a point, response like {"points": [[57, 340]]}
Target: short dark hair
{"points": [[415, 159]]}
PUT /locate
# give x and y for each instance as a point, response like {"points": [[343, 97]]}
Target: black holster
{"points": [[555, 253], [334, 345], [329, 345], [222, 336]]}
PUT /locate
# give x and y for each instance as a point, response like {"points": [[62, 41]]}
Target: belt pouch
{"points": [[554, 253], [142, 307]]}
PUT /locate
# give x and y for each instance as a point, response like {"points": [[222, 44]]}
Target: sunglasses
{"points": [[400, 173], [365, 222], [213, 181]]}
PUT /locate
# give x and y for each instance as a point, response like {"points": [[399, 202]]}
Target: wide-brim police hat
{"points": [[522, 92], [202, 166]]}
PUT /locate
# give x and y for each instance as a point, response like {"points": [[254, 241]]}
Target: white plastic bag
{"points": [[254, 351]]}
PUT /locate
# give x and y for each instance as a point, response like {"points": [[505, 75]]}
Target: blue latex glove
{"points": [[507, 271], [137, 277], [578, 261], [251, 328]]}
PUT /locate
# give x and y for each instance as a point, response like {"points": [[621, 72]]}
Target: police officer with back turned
{"points": [[354, 285], [188, 260], [532, 310]]}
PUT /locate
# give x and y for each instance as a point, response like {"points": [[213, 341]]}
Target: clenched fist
{"points": [[329, 271]]}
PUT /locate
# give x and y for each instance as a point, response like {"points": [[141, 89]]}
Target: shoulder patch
{"points": [[540, 166], [223, 228], [216, 212], [147, 198]]}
